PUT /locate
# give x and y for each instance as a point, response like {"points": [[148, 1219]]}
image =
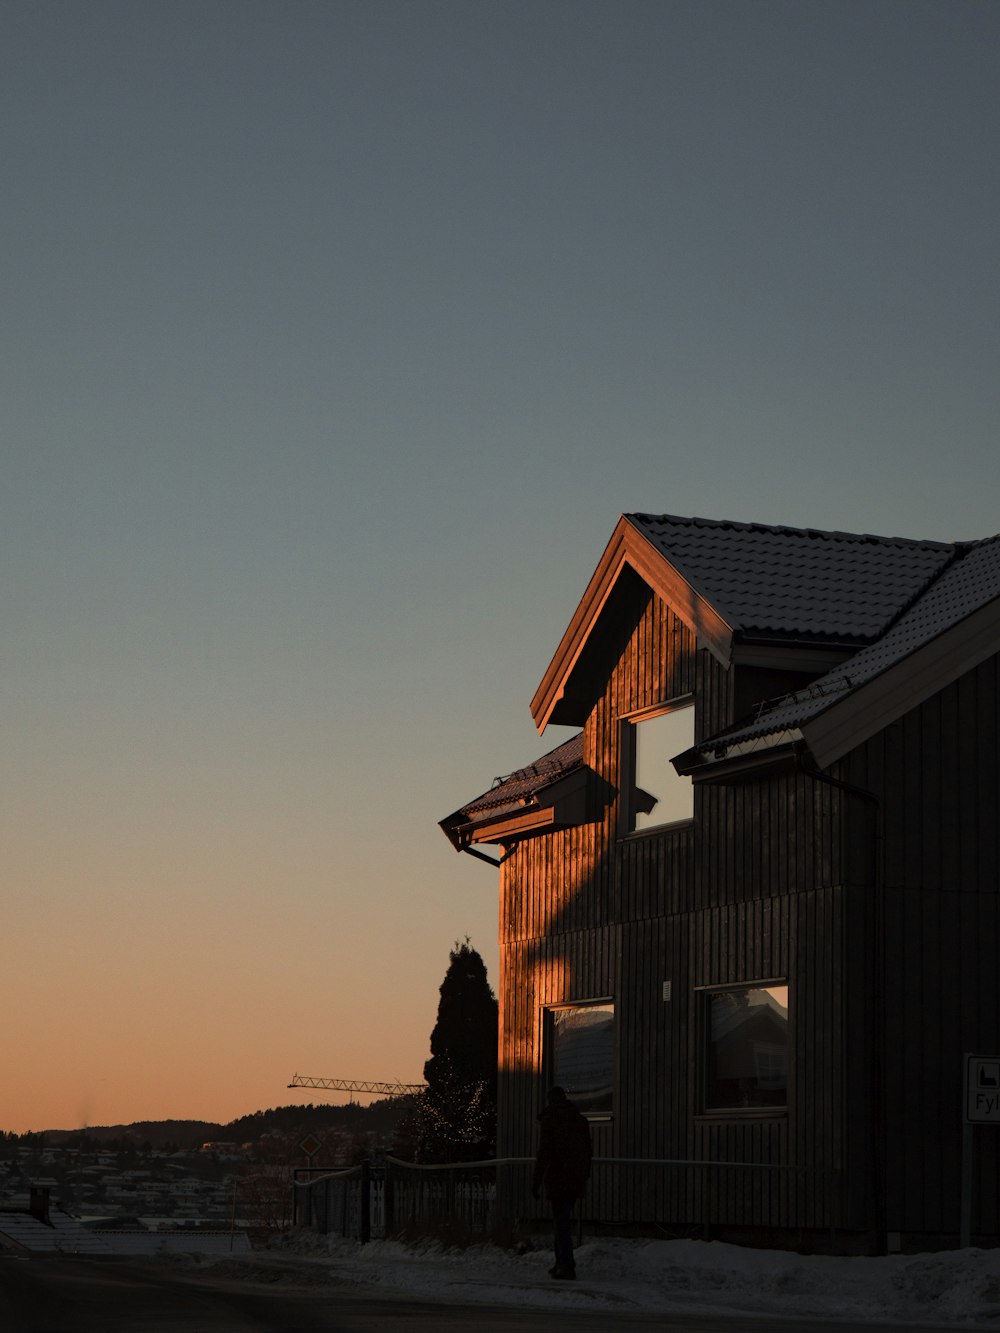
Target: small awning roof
{"points": [[524, 800]]}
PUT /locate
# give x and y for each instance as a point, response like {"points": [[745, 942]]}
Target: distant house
{"points": [[749, 912]]}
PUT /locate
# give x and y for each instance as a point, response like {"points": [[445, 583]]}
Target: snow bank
{"points": [[958, 1287]]}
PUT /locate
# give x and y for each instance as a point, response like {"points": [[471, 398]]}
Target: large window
{"points": [[654, 794], [580, 1041], [747, 1047]]}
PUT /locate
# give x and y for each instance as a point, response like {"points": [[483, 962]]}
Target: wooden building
{"points": [[749, 910]]}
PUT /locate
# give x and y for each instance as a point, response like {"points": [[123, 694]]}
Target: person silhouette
{"points": [[562, 1167]]}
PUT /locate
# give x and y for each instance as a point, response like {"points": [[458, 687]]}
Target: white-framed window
{"points": [[580, 1054], [747, 1050], [654, 795]]}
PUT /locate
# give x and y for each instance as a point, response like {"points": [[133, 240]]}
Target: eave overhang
{"points": [[559, 804], [869, 707], [740, 763], [865, 709], [562, 697], [791, 655]]}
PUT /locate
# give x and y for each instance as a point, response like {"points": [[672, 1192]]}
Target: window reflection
{"points": [[657, 794], [748, 1048], [582, 1055]]}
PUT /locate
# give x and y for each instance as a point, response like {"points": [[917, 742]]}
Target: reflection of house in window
{"points": [[747, 1055], [582, 1054], [770, 1065], [655, 794]]}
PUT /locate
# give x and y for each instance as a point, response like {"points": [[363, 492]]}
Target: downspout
{"points": [[879, 1113]]}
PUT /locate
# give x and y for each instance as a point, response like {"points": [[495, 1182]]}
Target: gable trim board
{"points": [[555, 699]]}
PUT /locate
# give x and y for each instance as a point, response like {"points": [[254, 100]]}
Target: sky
{"points": [[335, 338]]}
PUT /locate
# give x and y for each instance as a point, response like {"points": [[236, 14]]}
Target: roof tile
{"points": [[517, 789], [796, 582], [971, 581]]}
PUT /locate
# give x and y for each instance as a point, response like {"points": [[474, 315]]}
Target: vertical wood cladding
{"points": [[751, 889], [936, 773]]}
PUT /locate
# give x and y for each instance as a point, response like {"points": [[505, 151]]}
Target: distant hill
{"points": [[381, 1117], [158, 1133]]}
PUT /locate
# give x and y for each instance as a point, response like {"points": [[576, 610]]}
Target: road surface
{"points": [[62, 1294]]}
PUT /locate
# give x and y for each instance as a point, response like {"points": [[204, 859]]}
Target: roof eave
{"points": [[870, 707], [791, 653], [513, 825], [558, 804], [768, 756], [853, 718]]}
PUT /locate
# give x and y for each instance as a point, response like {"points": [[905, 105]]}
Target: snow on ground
{"points": [[960, 1287]]}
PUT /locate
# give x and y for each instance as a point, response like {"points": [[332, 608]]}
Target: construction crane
{"points": [[357, 1085]]}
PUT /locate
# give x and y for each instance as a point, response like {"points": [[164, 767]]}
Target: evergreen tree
{"points": [[454, 1119]]}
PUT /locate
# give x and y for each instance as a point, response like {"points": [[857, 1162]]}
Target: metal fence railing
{"points": [[427, 1199], [333, 1202]]}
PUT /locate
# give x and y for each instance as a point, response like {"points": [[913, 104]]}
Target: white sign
{"points": [[982, 1089]]}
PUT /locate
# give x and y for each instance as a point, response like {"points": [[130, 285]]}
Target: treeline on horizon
{"points": [[379, 1117]]}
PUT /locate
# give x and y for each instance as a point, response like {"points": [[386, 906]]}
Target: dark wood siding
{"points": [[935, 772], [752, 889]]}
